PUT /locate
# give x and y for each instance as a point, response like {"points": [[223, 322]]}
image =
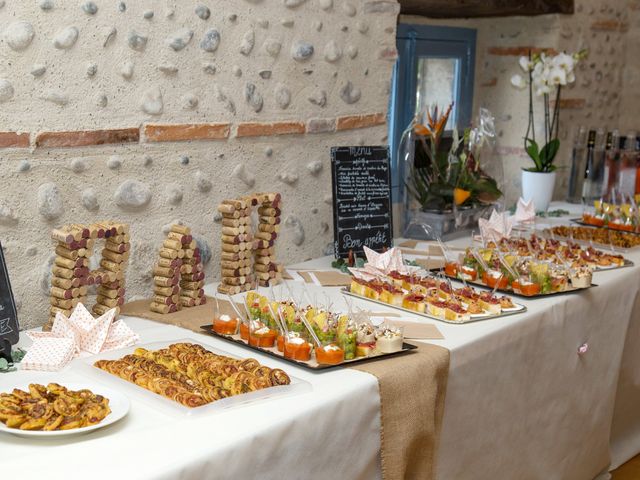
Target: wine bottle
{"points": [[627, 168], [589, 170], [576, 178], [610, 170]]}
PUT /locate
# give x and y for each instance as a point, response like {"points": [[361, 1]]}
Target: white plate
{"points": [[118, 403]]}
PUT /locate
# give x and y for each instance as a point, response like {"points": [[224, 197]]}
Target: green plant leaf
{"points": [[548, 154], [533, 151]]}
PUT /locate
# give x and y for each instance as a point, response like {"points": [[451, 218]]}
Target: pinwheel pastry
{"points": [[191, 375], [52, 408]]}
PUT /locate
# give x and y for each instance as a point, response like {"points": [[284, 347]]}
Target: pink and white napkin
{"points": [[525, 212], [380, 264], [498, 226], [82, 333]]}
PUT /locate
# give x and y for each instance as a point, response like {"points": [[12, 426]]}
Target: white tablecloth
{"points": [[331, 432], [521, 403]]}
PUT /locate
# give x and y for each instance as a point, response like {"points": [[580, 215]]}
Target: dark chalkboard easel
{"points": [[361, 199], [9, 327]]}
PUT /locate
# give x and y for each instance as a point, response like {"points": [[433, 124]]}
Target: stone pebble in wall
{"points": [[174, 193], [90, 8], [89, 199], [6, 90], [293, 3], [352, 51], [18, 35], [179, 39], [332, 51], [295, 224], [203, 12], [222, 97], [92, 69], [24, 166], [78, 165], [46, 5], [283, 96], [210, 41], [127, 70], [314, 167], [319, 98], [37, 70], [168, 68], [349, 94], [189, 101], [253, 97], [203, 184], [288, 178], [272, 46], [136, 41], [114, 162], [348, 9], [56, 97], [132, 194], [326, 4], [66, 38], [49, 201], [7, 215], [109, 34], [301, 50], [209, 68], [242, 174], [151, 101], [248, 42]]}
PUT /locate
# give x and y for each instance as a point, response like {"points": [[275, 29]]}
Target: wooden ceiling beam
{"points": [[484, 8]]}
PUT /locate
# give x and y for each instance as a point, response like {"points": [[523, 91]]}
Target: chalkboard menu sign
{"points": [[361, 199], [9, 329]]}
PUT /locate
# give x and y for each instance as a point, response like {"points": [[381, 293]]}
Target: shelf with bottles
{"points": [[604, 163]]}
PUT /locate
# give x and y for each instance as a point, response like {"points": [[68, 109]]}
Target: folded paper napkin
{"points": [[525, 212], [82, 333], [379, 264], [498, 226]]}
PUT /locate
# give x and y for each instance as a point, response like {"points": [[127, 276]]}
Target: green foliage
{"points": [[542, 158]]}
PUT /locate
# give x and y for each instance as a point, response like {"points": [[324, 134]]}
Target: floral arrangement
{"points": [[446, 172], [545, 75]]}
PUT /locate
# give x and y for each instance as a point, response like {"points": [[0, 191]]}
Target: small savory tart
{"points": [[490, 303], [456, 313], [414, 301]]}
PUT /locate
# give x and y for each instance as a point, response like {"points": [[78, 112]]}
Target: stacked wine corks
{"points": [[71, 276], [237, 245], [268, 271], [178, 275]]}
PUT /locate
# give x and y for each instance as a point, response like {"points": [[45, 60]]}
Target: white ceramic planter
{"points": [[538, 187]]}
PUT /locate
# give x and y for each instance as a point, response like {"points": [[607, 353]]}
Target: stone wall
{"points": [[606, 90], [153, 112]]}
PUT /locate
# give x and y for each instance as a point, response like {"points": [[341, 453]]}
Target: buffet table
{"points": [[528, 396]]}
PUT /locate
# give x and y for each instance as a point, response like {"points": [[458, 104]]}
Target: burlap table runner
{"points": [[412, 392]]}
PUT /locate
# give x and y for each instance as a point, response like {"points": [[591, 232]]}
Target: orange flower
{"points": [[422, 130], [460, 196]]}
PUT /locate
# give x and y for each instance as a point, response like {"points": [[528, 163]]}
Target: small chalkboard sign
{"points": [[361, 199], [9, 328]]}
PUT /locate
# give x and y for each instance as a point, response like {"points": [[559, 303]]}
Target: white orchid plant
{"points": [[545, 75]]}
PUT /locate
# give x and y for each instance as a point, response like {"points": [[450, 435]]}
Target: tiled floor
{"points": [[628, 471]]}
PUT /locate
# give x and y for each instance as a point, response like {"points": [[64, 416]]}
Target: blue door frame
{"points": [[413, 42]]}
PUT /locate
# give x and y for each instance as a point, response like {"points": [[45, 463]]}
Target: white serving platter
{"points": [[169, 407]]}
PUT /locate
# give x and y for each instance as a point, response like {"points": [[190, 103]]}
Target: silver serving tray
{"points": [[519, 308]]}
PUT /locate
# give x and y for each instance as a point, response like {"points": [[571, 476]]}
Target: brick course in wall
{"points": [[153, 133]]}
